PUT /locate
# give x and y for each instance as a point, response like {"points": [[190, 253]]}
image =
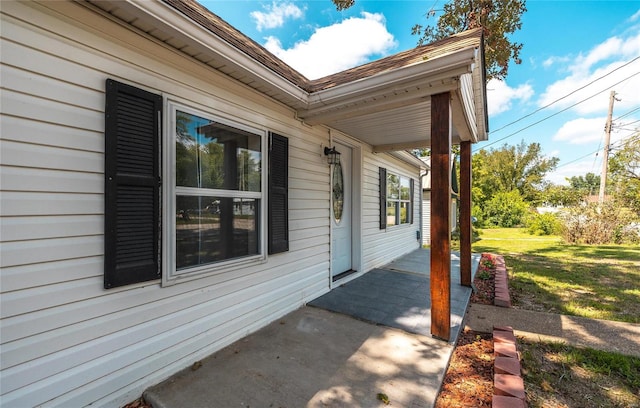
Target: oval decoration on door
{"points": [[338, 192]]}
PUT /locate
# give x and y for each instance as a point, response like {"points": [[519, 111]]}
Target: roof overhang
{"points": [[385, 103], [391, 111]]}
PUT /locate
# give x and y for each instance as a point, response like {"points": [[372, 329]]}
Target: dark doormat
{"points": [[393, 299]]}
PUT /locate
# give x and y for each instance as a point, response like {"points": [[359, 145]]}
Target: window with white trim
{"points": [[219, 193], [396, 199], [221, 206]]}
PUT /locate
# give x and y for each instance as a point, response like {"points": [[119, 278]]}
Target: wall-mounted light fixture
{"points": [[333, 156]]}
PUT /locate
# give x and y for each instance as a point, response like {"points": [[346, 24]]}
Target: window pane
{"points": [[405, 190], [213, 155], [392, 210], [214, 229], [393, 186], [404, 213]]}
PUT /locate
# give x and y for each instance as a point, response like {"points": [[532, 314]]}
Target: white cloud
{"points": [[604, 66], [275, 15], [555, 60], [581, 131], [501, 96], [337, 47], [635, 17]]}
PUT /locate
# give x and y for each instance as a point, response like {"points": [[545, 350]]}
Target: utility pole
{"points": [[605, 152]]}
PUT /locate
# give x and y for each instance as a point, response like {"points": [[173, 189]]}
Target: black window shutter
{"points": [[411, 202], [278, 224], [132, 185], [383, 198]]}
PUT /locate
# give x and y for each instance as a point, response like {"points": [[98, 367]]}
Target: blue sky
{"points": [[573, 51]]}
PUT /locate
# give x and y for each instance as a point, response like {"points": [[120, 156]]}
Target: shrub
{"points": [[599, 224], [505, 209], [544, 224]]}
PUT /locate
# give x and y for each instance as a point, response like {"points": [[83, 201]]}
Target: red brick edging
{"points": [[501, 284], [508, 387]]}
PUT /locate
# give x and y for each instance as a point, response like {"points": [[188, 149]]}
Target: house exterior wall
{"points": [[65, 340], [381, 245], [426, 217]]}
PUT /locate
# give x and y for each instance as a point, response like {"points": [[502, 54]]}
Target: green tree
{"points": [[624, 167], [522, 167], [589, 184], [343, 4], [498, 19], [561, 196]]}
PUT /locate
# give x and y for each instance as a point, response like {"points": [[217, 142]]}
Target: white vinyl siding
{"points": [[65, 340], [382, 246], [426, 217]]}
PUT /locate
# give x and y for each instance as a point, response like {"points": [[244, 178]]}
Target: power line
{"points": [[627, 113], [596, 155], [632, 137], [578, 159], [629, 123], [559, 112], [566, 96]]}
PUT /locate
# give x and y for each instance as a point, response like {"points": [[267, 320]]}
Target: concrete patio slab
{"points": [[379, 343], [313, 358]]}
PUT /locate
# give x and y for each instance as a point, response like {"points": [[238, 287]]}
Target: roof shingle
{"points": [[222, 29]]}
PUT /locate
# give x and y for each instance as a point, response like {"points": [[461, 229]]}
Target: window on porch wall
{"points": [[396, 199]]}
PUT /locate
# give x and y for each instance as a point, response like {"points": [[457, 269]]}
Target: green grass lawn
{"points": [[595, 281]]}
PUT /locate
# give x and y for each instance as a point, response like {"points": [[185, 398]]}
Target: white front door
{"points": [[341, 211]]}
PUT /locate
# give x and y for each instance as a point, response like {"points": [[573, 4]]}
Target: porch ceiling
{"points": [[386, 103]]}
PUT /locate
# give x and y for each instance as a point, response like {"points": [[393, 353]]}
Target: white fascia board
{"points": [[409, 158], [455, 64], [164, 15], [480, 95], [464, 110]]}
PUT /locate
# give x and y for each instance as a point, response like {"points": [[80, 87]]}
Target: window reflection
{"points": [[392, 210], [393, 186], [398, 199], [213, 155], [218, 171], [213, 229], [404, 189]]}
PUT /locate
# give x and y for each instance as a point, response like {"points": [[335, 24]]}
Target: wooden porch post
{"points": [[465, 213], [440, 216]]}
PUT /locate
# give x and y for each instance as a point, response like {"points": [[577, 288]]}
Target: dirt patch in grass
{"points": [[561, 376]]}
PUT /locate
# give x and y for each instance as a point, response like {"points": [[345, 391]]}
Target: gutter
{"points": [[448, 66]]}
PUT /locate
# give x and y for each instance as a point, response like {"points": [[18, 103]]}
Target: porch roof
{"points": [[385, 103]]}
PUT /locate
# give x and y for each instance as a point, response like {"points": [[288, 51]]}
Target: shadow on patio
{"points": [[316, 358]]}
